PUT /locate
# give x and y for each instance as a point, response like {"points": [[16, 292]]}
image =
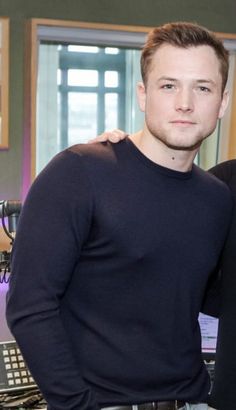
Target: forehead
{"points": [[192, 62]]}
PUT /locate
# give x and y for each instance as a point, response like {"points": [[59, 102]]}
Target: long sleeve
{"points": [[212, 299], [53, 225]]}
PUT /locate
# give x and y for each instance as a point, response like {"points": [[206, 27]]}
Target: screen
{"points": [[5, 334], [209, 329]]}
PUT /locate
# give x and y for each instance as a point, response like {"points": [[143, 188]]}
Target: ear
{"points": [[141, 96], [224, 104]]}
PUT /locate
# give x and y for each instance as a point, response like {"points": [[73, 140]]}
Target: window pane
{"points": [[59, 119], [111, 111], [111, 50], [59, 77], [111, 79], [82, 117], [84, 78], [83, 49]]}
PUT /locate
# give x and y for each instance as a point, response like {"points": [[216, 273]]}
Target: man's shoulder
{"points": [[96, 157], [215, 188], [95, 151]]}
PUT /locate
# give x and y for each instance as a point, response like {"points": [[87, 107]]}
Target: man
{"points": [[116, 244]]}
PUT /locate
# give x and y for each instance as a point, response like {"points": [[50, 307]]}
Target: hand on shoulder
{"points": [[112, 136]]}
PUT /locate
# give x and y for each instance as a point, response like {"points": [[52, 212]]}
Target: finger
{"points": [[117, 135], [100, 138], [112, 136]]}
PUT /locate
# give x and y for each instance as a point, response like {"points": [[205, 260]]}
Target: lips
{"points": [[182, 123]]}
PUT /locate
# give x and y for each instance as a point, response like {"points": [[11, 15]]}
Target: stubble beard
{"points": [[162, 136]]}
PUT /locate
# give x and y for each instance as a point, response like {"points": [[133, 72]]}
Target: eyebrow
{"points": [[203, 81], [167, 79], [198, 81]]}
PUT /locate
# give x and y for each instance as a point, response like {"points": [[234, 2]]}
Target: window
{"points": [[84, 89], [91, 91]]}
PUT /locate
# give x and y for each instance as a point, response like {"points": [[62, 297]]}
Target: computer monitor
{"points": [[209, 329], [5, 334]]}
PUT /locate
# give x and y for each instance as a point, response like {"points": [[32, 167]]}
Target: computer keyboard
{"points": [[14, 374]]}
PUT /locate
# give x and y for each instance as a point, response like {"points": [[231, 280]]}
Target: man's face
{"points": [[182, 99]]}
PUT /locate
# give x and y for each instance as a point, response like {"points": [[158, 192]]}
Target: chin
{"points": [[183, 145], [179, 141]]}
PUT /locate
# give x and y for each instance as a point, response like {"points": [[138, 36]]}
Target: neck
{"points": [[161, 154]]}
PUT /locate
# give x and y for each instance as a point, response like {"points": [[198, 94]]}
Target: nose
{"points": [[184, 101]]}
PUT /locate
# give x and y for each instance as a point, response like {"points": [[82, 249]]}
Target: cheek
{"points": [[158, 107], [210, 112]]}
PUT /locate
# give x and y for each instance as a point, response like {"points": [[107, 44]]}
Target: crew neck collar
{"points": [[156, 167]]}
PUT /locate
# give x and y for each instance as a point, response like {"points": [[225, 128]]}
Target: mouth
{"points": [[182, 123]]}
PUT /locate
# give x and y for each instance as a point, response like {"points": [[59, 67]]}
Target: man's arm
{"points": [[212, 299], [54, 220]]}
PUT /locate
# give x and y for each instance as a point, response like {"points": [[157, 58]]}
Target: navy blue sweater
{"points": [[109, 269]]}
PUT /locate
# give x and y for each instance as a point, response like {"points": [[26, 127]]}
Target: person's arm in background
{"points": [[51, 229], [223, 390], [212, 303], [212, 300]]}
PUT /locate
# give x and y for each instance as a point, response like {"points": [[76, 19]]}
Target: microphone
{"points": [[10, 207]]}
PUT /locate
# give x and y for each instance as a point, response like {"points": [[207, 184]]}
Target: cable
{"points": [[3, 222], [22, 400]]}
